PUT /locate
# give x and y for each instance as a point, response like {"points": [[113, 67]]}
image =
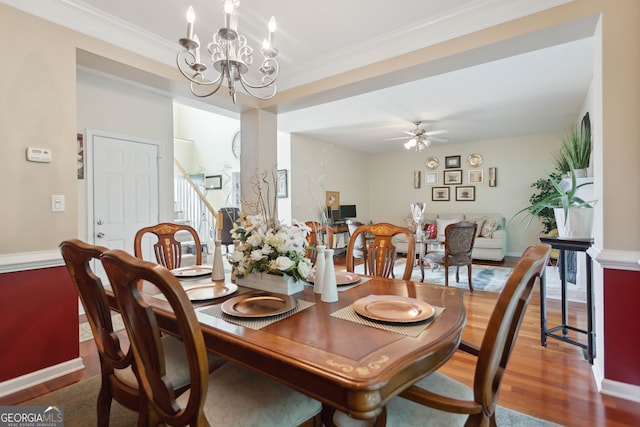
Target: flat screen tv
{"points": [[348, 211]]}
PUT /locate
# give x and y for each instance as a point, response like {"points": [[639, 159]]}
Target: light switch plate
{"points": [[57, 203]]}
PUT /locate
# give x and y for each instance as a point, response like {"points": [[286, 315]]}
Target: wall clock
{"points": [[236, 144]]}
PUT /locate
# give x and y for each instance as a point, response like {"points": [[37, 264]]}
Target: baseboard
{"points": [[38, 377], [621, 390]]}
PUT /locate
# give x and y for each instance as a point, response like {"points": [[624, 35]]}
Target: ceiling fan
{"points": [[419, 138]]}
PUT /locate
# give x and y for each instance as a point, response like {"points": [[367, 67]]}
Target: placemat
{"points": [[254, 323], [347, 287], [411, 329]]}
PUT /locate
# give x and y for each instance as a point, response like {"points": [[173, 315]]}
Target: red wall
{"points": [[39, 320], [621, 326]]}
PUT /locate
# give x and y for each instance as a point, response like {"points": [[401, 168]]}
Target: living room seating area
{"points": [[491, 238]]}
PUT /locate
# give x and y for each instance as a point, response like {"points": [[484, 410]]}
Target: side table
{"points": [[429, 246], [578, 245]]}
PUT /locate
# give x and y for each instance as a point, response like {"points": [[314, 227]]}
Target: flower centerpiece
{"points": [[270, 255], [270, 248]]}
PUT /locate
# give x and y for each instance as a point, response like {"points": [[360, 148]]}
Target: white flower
{"points": [[270, 247], [305, 268], [283, 263]]}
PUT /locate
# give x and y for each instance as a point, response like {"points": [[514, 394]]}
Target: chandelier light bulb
{"points": [[191, 18], [272, 30]]}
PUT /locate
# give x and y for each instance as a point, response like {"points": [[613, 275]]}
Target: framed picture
{"points": [[80, 149], [416, 179], [451, 162], [466, 193], [452, 177], [475, 176], [333, 199], [440, 194], [493, 177], [281, 185], [213, 182], [430, 178]]}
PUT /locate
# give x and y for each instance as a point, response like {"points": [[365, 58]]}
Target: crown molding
{"points": [[473, 16]]}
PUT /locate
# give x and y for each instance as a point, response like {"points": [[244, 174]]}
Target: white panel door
{"points": [[125, 189]]}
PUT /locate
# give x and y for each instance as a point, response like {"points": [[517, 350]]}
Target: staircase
{"points": [[192, 209]]}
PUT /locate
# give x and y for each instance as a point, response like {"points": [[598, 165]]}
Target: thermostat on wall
{"points": [[41, 155]]}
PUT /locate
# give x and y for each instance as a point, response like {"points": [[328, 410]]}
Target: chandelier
{"points": [[419, 143], [229, 55]]}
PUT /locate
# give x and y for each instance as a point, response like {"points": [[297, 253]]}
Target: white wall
{"points": [[519, 162], [110, 105], [318, 167], [203, 145]]}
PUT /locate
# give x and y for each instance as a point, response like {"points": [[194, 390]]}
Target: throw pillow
{"points": [[479, 222], [441, 224], [489, 226], [431, 231]]}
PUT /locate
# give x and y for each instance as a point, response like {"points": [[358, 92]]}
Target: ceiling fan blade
{"points": [[437, 139], [436, 132], [410, 132], [395, 139]]}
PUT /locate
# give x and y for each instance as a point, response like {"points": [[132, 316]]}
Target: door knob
{"points": [[100, 235]]}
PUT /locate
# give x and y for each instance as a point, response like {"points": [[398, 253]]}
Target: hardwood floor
{"points": [[553, 383]]}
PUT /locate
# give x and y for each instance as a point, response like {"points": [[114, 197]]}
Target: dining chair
{"points": [[378, 251], [458, 244], [118, 378], [439, 400], [231, 395], [168, 249], [358, 248], [227, 218], [320, 234]]}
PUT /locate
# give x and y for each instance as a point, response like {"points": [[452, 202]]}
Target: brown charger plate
{"points": [[342, 278], [213, 291], [258, 304], [191, 271], [393, 308]]}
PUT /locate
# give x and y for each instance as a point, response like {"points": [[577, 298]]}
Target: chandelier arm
{"points": [[197, 77], [268, 79], [204, 94], [249, 90]]}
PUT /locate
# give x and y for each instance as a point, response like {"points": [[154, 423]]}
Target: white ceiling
{"points": [[532, 85]]}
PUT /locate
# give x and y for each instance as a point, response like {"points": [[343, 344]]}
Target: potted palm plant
{"points": [[575, 152], [574, 216]]}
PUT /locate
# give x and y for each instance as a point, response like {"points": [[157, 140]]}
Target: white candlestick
{"points": [[191, 18]]}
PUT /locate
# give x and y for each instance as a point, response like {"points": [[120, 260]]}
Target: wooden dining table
{"points": [[349, 366]]}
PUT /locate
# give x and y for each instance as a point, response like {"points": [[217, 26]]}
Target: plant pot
{"points": [[272, 283], [579, 173], [578, 224]]}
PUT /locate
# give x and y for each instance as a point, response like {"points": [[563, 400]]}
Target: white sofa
{"points": [[490, 247]]}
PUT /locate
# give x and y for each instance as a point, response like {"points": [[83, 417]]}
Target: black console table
{"points": [[578, 245]]}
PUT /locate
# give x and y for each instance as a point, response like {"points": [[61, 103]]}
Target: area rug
{"points": [[85, 329], [79, 402], [484, 277]]}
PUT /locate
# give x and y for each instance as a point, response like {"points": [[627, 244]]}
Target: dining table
{"points": [[329, 351]]}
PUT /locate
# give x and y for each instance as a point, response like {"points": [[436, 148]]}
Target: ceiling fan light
{"points": [[410, 144]]}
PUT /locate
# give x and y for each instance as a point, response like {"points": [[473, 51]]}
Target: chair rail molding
{"points": [[616, 259], [30, 261]]}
